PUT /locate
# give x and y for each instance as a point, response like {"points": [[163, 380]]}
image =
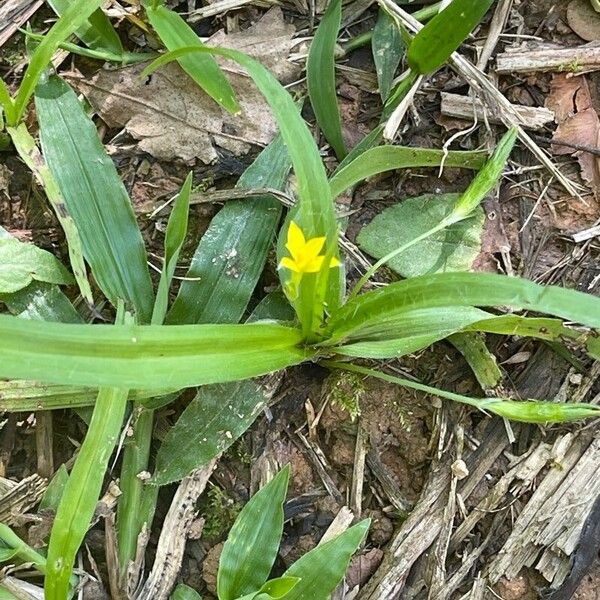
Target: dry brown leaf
{"points": [[578, 123], [173, 118], [584, 20]]}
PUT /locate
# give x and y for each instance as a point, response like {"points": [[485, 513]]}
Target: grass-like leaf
{"points": [[97, 32], [527, 411], [211, 422], [243, 570], [314, 213], [388, 47], [73, 18], [320, 77], [409, 331], [174, 237], [32, 157], [82, 490], [232, 253], [463, 289], [175, 33], [434, 44], [322, 569], [95, 197], [390, 158], [145, 357]]}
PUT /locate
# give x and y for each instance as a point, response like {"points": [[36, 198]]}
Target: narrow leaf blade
{"points": [[259, 525], [95, 196]]}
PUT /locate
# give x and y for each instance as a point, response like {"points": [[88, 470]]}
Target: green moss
{"points": [[220, 512], [346, 390]]}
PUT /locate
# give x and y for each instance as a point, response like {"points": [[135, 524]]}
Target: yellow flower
{"points": [[305, 253]]}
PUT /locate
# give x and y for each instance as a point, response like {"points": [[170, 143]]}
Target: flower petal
{"points": [[314, 246], [295, 240], [334, 262], [288, 263], [313, 265]]}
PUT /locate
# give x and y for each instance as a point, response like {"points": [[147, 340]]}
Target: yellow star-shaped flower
{"points": [[305, 257]]}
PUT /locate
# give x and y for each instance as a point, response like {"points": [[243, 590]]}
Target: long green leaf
{"points": [[32, 157], [145, 357], [434, 44], [251, 547], [463, 289], [174, 238], [320, 77], [211, 422], [95, 197], [73, 18], [390, 158], [409, 331], [231, 255], [551, 330], [97, 33], [314, 213], [388, 47], [81, 492], [528, 411], [322, 569], [175, 33]]}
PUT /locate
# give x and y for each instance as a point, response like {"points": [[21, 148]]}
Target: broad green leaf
{"points": [[185, 592], [388, 47], [452, 249], [231, 255], [409, 331], [174, 238], [175, 33], [463, 289], [73, 18], [434, 44], [390, 158], [39, 301], [22, 263], [32, 157], [95, 196], [54, 491], [314, 213], [211, 422], [251, 547], [320, 77], [97, 32], [322, 569], [145, 357]]}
